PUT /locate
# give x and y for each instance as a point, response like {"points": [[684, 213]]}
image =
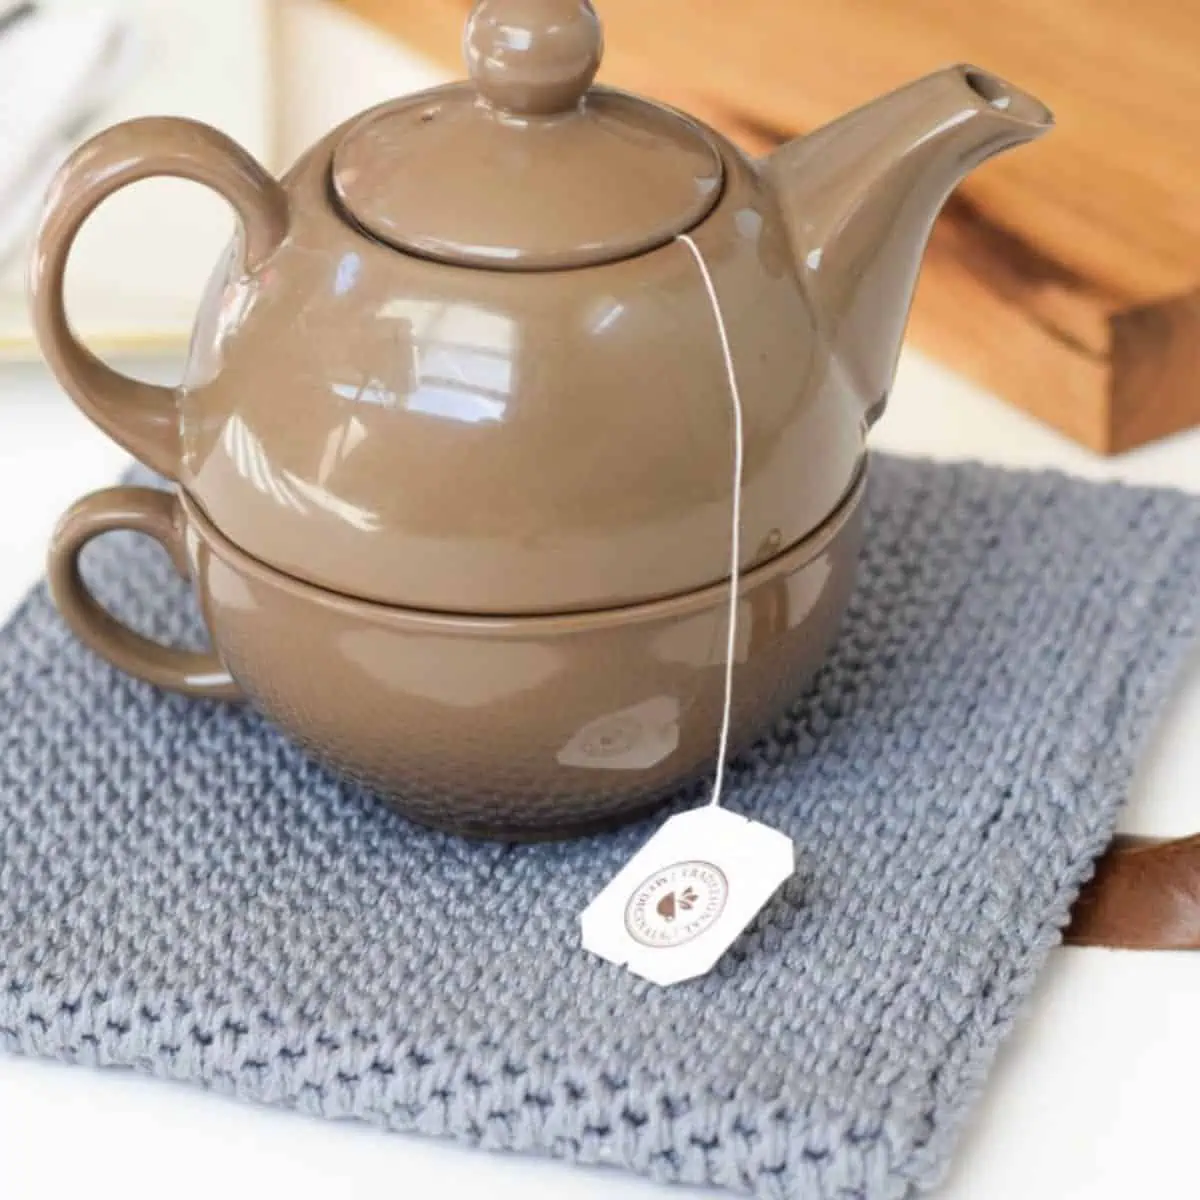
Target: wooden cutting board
{"points": [[1065, 276]]}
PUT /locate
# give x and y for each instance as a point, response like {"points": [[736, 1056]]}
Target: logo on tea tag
{"points": [[682, 900], [677, 904]]}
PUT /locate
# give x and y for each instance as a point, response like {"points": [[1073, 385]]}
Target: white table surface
{"points": [[1094, 1096]]}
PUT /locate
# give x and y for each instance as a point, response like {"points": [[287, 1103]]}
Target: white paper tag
{"points": [[683, 899]]}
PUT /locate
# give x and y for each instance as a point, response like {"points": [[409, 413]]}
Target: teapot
{"points": [[451, 461]]}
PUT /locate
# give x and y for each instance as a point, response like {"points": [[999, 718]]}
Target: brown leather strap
{"points": [[1145, 895]]}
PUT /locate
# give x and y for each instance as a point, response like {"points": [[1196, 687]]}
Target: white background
{"points": [[1093, 1098]]}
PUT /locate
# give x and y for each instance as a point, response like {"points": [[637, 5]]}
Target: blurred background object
{"points": [[57, 71], [71, 67], [1065, 279]]}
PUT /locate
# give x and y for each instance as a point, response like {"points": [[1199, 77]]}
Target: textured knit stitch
{"points": [[182, 892]]}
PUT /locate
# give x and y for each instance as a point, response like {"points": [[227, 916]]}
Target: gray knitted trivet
{"points": [[183, 893]]}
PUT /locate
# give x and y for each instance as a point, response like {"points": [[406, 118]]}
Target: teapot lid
{"points": [[527, 167]]}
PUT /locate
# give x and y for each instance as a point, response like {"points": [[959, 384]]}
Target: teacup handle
{"points": [[158, 515], [139, 416]]}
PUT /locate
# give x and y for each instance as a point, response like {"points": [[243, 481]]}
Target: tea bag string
{"points": [[735, 540]]}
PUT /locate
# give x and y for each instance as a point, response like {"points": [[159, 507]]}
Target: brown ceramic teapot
{"points": [[452, 452]]}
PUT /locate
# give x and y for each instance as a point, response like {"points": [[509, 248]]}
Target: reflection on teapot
{"points": [[457, 382]]}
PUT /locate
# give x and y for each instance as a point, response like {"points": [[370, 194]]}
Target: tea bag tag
{"points": [[683, 899]]}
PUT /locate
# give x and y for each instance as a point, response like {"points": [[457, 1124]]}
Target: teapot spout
{"points": [[860, 196]]}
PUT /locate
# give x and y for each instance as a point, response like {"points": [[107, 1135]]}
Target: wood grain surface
{"points": [[1065, 276]]}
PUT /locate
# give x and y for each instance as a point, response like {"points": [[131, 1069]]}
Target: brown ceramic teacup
{"points": [[519, 728]]}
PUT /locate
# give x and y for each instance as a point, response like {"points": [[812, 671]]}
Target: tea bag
{"points": [[683, 899]]}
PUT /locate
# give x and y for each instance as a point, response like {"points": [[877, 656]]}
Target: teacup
{"points": [[521, 728]]}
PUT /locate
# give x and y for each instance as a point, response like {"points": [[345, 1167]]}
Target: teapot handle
{"points": [[139, 416]]}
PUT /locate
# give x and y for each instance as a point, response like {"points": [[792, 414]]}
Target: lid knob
{"points": [[533, 57]]}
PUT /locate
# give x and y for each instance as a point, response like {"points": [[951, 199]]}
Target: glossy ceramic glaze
{"points": [[508, 441], [499, 442], [517, 728], [455, 443], [526, 168], [860, 196]]}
